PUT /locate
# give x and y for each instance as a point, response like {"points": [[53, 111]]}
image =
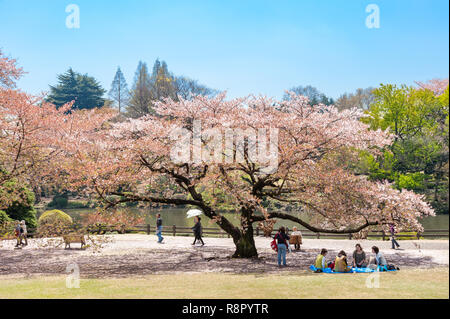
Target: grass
{"points": [[411, 283]]}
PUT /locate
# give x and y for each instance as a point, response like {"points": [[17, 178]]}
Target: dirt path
{"points": [[128, 255]]}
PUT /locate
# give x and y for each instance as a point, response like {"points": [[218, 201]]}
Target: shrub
{"points": [[6, 225], [54, 223], [55, 214], [407, 236], [4, 217], [59, 201], [22, 208], [79, 204], [109, 221]]}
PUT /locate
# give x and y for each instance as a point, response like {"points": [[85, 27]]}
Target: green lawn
{"points": [[403, 284]]}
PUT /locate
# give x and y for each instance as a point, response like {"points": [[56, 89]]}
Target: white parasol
{"points": [[193, 212]]}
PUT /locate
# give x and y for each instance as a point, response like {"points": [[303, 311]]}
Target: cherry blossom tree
{"points": [[437, 86], [9, 71], [247, 150], [28, 128], [192, 149]]}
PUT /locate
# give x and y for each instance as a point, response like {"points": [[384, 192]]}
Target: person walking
{"points": [[17, 230], [393, 241], [282, 243], [197, 230], [159, 228], [23, 233]]}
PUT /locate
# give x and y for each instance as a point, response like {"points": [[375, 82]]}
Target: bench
{"points": [[74, 238]]}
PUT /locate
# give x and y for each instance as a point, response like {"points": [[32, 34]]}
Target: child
{"points": [[321, 262]]}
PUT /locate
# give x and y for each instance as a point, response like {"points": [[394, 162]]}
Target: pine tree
{"points": [[119, 92], [84, 90]]}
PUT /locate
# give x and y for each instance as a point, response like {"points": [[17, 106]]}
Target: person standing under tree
{"points": [[283, 241], [159, 228]]}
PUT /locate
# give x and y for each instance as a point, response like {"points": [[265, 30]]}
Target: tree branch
{"points": [[312, 228]]}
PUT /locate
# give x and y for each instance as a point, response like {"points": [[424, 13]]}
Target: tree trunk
{"points": [[245, 243]]}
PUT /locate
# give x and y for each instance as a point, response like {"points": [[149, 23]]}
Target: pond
{"points": [[177, 216]]}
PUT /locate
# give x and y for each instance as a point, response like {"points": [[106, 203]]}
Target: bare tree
{"points": [[187, 88], [119, 92], [141, 94], [361, 99], [314, 95]]}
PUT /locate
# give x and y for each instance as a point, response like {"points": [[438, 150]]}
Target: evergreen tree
{"points": [[84, 90], [22, 209], [119, 92]]}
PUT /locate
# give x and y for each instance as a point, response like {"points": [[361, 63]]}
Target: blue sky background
{"points": [[245, 46]]}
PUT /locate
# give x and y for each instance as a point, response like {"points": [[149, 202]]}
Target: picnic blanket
{"points": [[353, 270]]}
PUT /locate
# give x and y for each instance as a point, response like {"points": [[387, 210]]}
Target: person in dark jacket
{"points": [[392, 231], [198, 231], [282, 243], [159, 228]]}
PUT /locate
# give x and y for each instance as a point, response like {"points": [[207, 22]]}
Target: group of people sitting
{"points": [[360, 260]]}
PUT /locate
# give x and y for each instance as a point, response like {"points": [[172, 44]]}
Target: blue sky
{"points": [[244, 47]]}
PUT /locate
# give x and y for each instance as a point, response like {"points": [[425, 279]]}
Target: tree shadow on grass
{"points": [[163, 261]]}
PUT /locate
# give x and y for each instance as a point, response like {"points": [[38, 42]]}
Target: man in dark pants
{"points": [[159, 228], [197, 231], [394, 242]]}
